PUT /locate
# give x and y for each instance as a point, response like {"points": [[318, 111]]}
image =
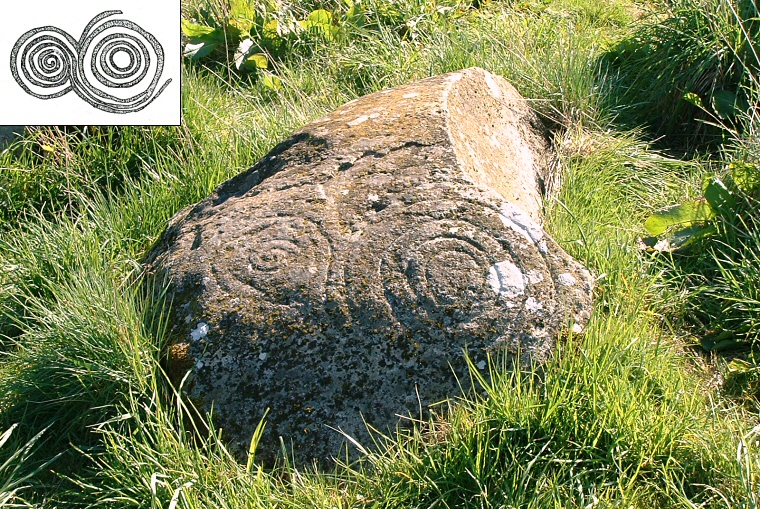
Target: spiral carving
{"points": [[116, 65], [436, 268], [283, 259], [436, 272]]}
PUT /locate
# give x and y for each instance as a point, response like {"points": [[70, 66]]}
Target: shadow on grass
{"points": [[686, 76]]}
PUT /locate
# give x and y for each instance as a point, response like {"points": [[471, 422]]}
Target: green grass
{"points": [[690, 65], [626, 414], [718, 282]]}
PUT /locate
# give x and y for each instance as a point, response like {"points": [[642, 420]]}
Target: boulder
{"points": [[340, 280]]}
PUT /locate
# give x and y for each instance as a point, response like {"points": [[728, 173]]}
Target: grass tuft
{"points": [[687, 70]]}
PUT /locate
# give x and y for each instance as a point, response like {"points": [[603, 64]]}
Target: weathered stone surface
{"points": [[342, 277]]}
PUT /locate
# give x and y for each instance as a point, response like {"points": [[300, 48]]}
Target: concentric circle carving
{"points": [[438, 271], [282, 259]]}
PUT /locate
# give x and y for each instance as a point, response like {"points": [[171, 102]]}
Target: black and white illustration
{"points": [[120, 66]]}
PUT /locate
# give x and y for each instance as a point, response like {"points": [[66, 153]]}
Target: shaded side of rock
{"points": [[341, 278]]}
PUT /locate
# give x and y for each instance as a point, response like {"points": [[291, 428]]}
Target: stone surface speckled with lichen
{"points": [[341, 278]]}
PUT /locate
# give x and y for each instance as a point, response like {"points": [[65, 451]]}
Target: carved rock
{"points": [[341, 278]]}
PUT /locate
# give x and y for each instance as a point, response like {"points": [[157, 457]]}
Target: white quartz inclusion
{"points": [[493, 87], [506, 279], [535, 277], [566, 279], [533, 305], [515, 218], [199, 332], [359, 120]]}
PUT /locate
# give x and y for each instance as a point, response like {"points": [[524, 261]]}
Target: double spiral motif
{"points": [[109, 66]]}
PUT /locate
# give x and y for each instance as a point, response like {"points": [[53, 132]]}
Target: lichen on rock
{"points": [[341, 278]]}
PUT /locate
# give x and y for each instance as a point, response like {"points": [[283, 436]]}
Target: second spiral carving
{"points": [[115, 66]]}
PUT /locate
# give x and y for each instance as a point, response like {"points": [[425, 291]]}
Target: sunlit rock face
{"points": [[341, 279]]}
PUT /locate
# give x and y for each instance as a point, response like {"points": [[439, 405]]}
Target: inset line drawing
{"points": [[47, 63]]}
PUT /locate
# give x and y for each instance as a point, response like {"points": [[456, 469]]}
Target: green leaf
{"points": [[320, 17], [198, 46], [256, 61], [242, 16], [683, 215], [694, 99], [742, 367], [746, 176], [271, 29], [274, 38], [677, 239], [718, 341], [686, 236], [355, 16], [247, 57], [260, 60], [198, 50], [272, 82], [720, 198], [725, 104], [320, 22], [255, 439], [241, 9], [191, 29]]}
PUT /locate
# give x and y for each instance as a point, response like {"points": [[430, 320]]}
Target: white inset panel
{"points": [[90, 62]]}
